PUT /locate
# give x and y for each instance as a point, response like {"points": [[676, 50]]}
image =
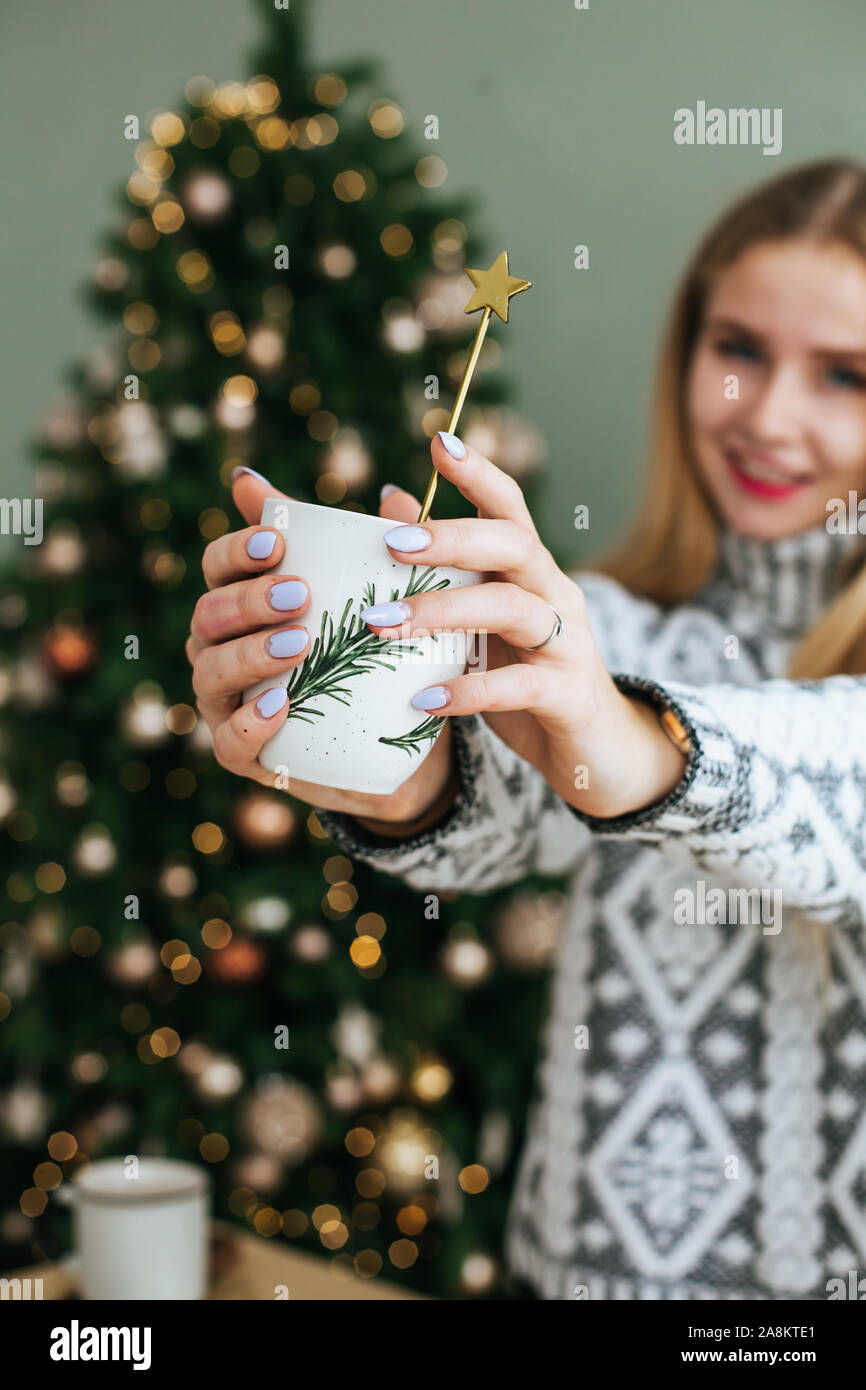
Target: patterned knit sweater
{"points": [[698, 1127]]}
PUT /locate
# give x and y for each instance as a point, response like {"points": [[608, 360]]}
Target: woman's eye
{"points": [[738, 347], [845, 377]]}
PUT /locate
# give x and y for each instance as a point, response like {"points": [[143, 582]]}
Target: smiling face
{"points": [[788, 319]]}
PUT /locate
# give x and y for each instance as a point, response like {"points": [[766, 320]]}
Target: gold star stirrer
{"points": [[493, 289]]}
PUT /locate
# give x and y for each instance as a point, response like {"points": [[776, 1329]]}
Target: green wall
{"points": [[560, 120]]}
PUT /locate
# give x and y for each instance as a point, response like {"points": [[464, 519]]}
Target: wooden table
{"points": [[245, 1267]]}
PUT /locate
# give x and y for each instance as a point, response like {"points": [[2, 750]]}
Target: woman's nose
{"points": [[774, 410]]}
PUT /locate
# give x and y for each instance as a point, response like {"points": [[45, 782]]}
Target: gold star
{"points": [[494, 288]]}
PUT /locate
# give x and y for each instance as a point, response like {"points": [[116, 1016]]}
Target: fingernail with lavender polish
{"points": [[434, 697], [408, 538], [242, 468], [387, 489], [261, 544], [455, 446], [272, 701], [288, 643], [287, 596], [386, 614]]}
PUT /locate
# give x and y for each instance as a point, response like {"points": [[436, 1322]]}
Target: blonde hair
{"points": [[671, 550]]}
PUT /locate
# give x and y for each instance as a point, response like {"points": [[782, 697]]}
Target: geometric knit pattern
{"points": [[707, 1138]]}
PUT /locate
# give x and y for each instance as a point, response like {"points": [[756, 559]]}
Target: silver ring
{"points": [[556, 630]]}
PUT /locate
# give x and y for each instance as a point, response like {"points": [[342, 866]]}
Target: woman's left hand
{"points": [[558, 708]]}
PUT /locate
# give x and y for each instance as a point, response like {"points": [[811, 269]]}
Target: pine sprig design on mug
{"points": [[349, 650], [411, 742]]}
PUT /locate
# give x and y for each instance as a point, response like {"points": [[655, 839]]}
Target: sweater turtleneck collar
{"points": [[789, 581]]}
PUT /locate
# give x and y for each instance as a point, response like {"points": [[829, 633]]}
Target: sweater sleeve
{"points": [[506, 822], [774, 791]]}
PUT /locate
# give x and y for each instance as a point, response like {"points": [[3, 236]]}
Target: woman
{"points": [[686, 734]]}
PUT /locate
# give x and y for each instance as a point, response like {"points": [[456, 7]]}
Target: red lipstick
{"points": [[759, 487]]}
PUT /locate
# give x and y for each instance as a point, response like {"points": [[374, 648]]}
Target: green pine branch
{"points": [[349, 650], [423, 732]]}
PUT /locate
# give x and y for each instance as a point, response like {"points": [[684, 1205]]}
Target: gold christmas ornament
{"points": [[493, 289]]}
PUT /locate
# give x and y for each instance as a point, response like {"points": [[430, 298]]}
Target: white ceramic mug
{"points": [[350, 724], [141, 1229]]}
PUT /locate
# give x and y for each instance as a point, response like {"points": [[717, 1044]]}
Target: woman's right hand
{"points": [[233, 626]]}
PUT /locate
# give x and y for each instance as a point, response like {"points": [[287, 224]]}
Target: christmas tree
{"points": [[190, 967]]}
